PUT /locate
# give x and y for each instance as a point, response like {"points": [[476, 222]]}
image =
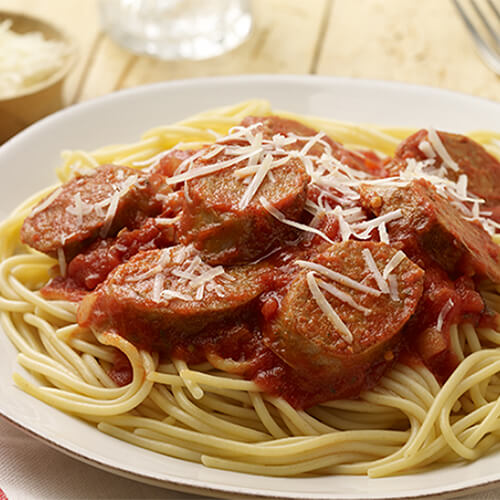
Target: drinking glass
{"points": [[177, 29]]}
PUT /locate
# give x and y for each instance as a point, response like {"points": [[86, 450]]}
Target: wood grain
{"points": [[283, 41], [421, 42]]}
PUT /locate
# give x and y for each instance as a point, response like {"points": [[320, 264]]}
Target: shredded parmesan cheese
{"points": [[27, 59], [372, 267], [426, 148], [462, 185], [375, 223], [110, 215], [157, 287], [328, 310], [438, 146], [311, 141], [113, 204], [79, 209], [61, 258], [343, 296], [209, 169], [206, 276], [172, 294], [48, 201], [338, 277], [191, 273], [393, 287], [278, 215], [247, 171], [216, 150], [444, 312], [200, 291], [257, 180], [393, 263], [382, 232], [152, 162], [167, 221], [344, 227]]}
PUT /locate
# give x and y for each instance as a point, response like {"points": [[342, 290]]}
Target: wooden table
{"points": [[421, 42]]}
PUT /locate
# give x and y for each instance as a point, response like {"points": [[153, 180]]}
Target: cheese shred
{"points": [[327, 309]]}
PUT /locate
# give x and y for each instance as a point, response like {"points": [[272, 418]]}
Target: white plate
{"points": [[27, 164]]}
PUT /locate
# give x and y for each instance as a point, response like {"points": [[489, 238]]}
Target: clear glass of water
{"points": [[177, 29]]}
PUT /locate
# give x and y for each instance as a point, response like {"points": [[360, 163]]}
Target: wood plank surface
{"points": [[283, 40], [421, 42]]}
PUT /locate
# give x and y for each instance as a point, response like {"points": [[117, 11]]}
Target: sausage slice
{"points": [[160, 294], [171, 161], [481, 168], [433, 223], [305, 338], [272, 125], [227, 232], [90, 267], [86, 207]]}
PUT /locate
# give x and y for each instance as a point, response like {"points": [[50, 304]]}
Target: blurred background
{"points": [[422, 42]]}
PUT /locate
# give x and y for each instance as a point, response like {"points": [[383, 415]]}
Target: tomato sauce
{"points": [[60, 288], [120, 371], [243, 344], [449, 302], [238, 343], [240, 340]]}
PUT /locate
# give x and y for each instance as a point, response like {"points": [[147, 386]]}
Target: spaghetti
{"points": [[204, 412]]}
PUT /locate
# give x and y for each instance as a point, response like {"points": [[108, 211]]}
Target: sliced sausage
{"points": [[303, 335], [172, 160], [481, 168], [273, 125], [90, 206], [435, 225], [156, 296], [90, 267], [226, 232]]}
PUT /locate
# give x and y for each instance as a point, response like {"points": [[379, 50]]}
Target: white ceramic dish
{"points": [[27, 162]]}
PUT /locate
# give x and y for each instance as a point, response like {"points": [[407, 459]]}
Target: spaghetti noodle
{"points": [[201, 412]]}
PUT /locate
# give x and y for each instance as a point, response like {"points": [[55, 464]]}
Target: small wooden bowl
{"points": [[21, 109]]}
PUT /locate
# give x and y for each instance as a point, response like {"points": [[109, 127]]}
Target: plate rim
{"points": [[210, 80], [191, 485], [231, 493]]}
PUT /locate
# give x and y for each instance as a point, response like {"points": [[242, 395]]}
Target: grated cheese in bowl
{"points": [[27, 59]]}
